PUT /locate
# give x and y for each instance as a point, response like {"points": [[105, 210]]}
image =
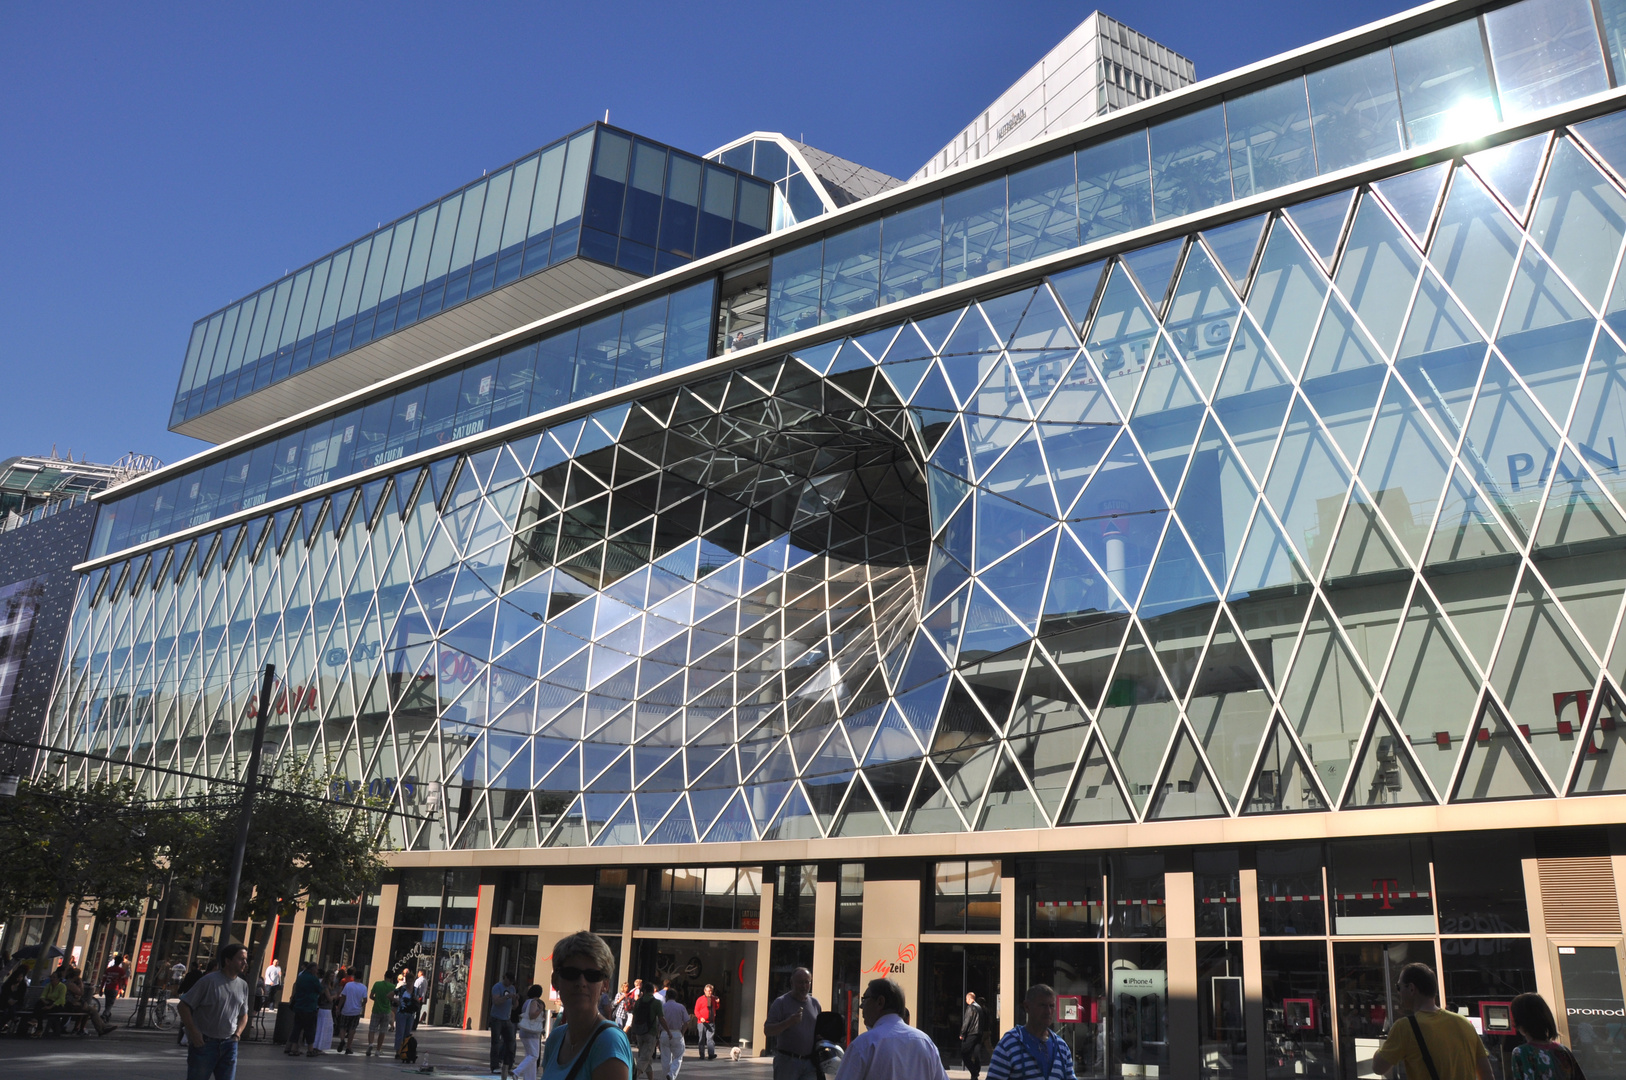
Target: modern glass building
{"points": [[1178, 560]]}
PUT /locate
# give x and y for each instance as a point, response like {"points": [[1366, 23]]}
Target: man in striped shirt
{"points": [[1033, 1051]]}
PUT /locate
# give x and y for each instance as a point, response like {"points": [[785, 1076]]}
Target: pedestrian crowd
{"points": [[645, 1026]]}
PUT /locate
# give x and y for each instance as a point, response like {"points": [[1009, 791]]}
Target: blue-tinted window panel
{"points": [[772, 163], [555, 370], [1445, 84], [1114, 186], [716, 211], [805, 204], [689, 325], [751, 216], [681, 214], [1190, 171], [440, 409], [912, 251], [607, 185], [641, 216], [1270, 143], [643, 341], [851, 271], [1355, 111], [974, 231], [476, 393], [1544, 52], [597, 356], [599, 246], [1043, 209], [793, 289], [406, 423]]}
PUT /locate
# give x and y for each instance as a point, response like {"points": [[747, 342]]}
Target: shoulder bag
{"points": [[533, 1025], [1422, 1047]]}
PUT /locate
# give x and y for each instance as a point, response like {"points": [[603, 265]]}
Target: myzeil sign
{"points": [[883, 967]]}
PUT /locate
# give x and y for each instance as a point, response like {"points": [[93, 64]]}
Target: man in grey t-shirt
{"points": [[214, 1013], [790, 1021]]}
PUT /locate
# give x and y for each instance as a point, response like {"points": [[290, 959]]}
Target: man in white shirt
{"points": [[272, 981], [353, 1001], [890, 1049], [674, 1018]]}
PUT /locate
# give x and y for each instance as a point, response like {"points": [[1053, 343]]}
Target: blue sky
{"points": [[156, 169]]}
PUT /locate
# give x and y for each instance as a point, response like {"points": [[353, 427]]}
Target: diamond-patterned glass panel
{"points": [[1318, 509]]}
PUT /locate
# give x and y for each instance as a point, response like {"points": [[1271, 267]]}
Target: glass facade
{"points": [[637, 342], [600, 194], [1315, 510], [1425, 88]]}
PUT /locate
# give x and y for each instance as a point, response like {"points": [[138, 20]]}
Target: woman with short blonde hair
{"points": [[585, 1046]]}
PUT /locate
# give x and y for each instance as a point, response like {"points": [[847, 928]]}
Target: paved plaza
{"points": [[144, 1054]]}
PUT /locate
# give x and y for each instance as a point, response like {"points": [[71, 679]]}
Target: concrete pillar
{"points": [[1253, 978], [1541, 953], [629, 919], [1008, 990], [759, 993], [825, 899], [1180, 917], [892, 932], [565, 910], [383, 931], [474, 1004]]}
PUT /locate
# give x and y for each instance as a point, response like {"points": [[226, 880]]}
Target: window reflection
{"points": [[663, 334], [1545, 53]]}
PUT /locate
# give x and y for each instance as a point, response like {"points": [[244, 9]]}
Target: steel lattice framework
{"points": [[1316, 510]]}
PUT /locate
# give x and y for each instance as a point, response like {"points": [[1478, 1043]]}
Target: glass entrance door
{"points": [[947, 974], [1594, 1006], [1365, 974]]}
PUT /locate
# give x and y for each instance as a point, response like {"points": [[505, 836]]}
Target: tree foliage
{"points": [[67, 842], [303, 847]]}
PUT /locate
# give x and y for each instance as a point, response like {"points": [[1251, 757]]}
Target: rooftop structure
{"points": [[34, 486], [807, 181], [1102, 65]]}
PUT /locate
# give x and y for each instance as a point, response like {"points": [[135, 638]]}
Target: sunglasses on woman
{"points": [[573, 974]]}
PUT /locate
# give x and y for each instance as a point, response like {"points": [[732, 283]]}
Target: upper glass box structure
{"points": [[601, 194]]}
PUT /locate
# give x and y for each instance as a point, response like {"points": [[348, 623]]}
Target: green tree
{"points": [[304, 847], [64, 843]]}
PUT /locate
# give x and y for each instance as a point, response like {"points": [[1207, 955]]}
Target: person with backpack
{"points": [[406, 1012], [645, 1032], [1542, 1057], [1435, 1044]]}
